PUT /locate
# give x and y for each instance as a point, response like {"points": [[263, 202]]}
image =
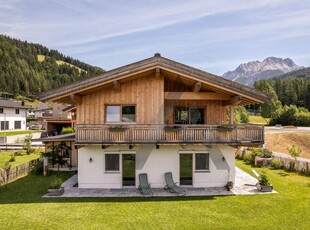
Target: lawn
{"points": [[13, 133], [23, 208], [19, 159], [258, 120]]}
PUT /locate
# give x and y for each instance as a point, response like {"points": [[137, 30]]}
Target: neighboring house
{"points": [[156, 116], [12, 115], [54, 117]]}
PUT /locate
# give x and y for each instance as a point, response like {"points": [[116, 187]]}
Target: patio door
{"points": [[129, 169], [186, 169]]}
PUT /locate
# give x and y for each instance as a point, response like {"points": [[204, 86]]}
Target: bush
{"points": [[12, 159], [38, 167], [263, 179], [266, 153], [55, 183], [66, 130], [276, 164], [291, 115]]}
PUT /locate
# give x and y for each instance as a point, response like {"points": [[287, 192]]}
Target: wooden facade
{"points": [[156, 87], [147, 93]]}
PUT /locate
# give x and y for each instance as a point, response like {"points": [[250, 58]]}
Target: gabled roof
{"points": [[11, 104], [249, 94]]}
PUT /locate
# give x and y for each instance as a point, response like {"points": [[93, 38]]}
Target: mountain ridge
{"points": [[248, 73]]}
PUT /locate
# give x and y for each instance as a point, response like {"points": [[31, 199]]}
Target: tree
{"points": [[268, 108], [27, 144]]}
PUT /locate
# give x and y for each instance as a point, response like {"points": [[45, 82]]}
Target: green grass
{"points": [[23, 208], [258, 120], [12, 133], [6, 156]]}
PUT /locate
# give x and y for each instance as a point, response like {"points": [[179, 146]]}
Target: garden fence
{"points": [[17, 171]]}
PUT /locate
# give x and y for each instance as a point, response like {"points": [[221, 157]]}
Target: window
{"points": [[111, 162], [16, 111], [189, 116], [1, 110], [202, 161], [120, 113], [6, 125], [17, 124]]}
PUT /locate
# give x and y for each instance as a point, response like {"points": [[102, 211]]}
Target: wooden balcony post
{"points": [[232, 115]]}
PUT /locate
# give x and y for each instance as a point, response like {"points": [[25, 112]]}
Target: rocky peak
{"points": [[248, 73]]}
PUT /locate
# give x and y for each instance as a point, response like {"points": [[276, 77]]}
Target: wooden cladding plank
{"points": [[195, 96]]}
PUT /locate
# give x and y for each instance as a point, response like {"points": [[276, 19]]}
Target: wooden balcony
{"points": [[175, 134]]}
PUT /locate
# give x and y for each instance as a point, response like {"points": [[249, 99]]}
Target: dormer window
{"points": [[120, 113]]}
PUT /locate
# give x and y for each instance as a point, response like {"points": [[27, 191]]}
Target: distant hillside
{"points": [[302, 73], [290, 88], [248, 73], [28, 69]]}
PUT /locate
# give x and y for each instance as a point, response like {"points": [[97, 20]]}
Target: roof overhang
{"points": [[71, 93]]}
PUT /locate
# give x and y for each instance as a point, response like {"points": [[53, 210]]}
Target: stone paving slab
{"points": [[244, 185]]}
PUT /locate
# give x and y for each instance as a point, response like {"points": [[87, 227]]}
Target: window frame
{"points": [[208, 162], [1, 110], [20, 124], [189, 119], [121, 114], [119, 163], [17, 111]]}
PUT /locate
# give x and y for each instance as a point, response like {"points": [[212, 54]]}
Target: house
{"points": [[12, 115], [54, 117], [156, 116]]}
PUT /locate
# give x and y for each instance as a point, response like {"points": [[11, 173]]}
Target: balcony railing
{"points": [[159, 134]]}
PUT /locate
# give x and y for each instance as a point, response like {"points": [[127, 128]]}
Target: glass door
{"points": [[186, 169], [129, 169]]}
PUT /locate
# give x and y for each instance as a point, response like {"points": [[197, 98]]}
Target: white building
{"points": [[12, 115]]}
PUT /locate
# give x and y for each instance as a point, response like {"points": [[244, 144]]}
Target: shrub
{"points": [[55, 183], [66, 130], [276, 164], [38, 167], [27, 145], [263, 179], [295, 151], [266, 153], [12, 159]]}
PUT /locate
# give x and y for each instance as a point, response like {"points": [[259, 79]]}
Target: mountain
{"points": [[248, 73], [27, 69]]}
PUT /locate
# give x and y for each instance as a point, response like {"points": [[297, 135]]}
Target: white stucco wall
{"points": [[155, 162], [10, 115]]}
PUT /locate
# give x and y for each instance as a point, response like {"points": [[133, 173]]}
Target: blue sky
{"points": [[215, 36]]}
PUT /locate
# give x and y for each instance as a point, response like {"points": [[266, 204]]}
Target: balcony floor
{"points": [[244, 185]]}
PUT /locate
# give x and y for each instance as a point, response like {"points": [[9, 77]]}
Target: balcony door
{"points": [[189, 115], [186, 169], [129, 169]]}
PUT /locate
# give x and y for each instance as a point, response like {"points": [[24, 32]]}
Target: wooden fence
{"points": [[17, 171]]}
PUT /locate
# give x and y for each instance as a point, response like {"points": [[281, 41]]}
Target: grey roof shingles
{"points": [[11, 104]]}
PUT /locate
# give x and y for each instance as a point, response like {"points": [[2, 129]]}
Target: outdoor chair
{"points": [[171, 185], [144, 185]]}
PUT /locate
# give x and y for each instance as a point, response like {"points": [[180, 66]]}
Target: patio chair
{"points": [[171, 185], [144, 185]]}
